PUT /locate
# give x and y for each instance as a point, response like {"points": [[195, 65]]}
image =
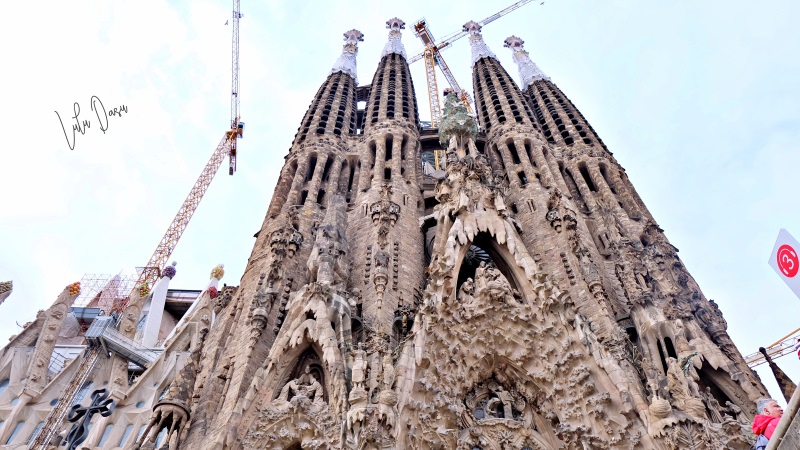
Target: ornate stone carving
{"points": [[306, 386]]}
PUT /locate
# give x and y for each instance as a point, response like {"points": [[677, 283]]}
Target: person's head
{"points": [[769, 407]]}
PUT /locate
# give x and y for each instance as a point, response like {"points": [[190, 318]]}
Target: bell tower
{"points": [[519, 294]]}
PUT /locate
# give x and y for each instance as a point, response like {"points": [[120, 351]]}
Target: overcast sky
{"points": [[698, 100]]}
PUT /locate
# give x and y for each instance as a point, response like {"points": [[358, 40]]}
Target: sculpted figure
{"points": [[498, 287], [359, 366], [466, 291], [306, 385], [315, 391], [714, 408], [388, 372], [677, 382], [737, 412], [480, 277]]}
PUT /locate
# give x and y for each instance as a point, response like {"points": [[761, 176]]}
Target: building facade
{"points": [[514, 294]]}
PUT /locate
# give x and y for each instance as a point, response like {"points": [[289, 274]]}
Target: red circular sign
{"points": [[787, 261]]}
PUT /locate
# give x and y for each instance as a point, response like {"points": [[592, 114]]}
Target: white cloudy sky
{"points": [[699, 101]]}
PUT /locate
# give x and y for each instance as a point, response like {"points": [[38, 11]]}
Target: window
{"points": [[141, 432], [81, 394], [140, 325], [35, 432], [14, 433], [125, 435], [3, 385], [160, 437], [106, 432]]}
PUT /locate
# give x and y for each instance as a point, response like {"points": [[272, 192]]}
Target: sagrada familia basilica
{"points": [[493, 283]]}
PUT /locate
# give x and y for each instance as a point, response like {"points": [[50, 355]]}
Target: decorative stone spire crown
{"points": [[456, 122], [528, 70], [394, 44], [347, 61], [479, 48]]}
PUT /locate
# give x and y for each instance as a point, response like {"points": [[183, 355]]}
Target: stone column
{"points": [[380, 159], [297, 184], [584, 190]]}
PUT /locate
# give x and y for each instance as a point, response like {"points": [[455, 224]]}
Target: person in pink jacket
{"points": [[765, 422]]}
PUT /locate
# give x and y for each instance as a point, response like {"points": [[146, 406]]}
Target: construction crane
{"points": [[150, 273], [433, 58], [781, 347]]}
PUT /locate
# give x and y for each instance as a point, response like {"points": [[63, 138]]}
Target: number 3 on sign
{"points": [[788, 262]]}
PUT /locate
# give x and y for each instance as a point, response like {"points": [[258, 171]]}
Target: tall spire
{"points": [[394, 44], [347, 61], [479, 48], [528, 70], [785, 383]]}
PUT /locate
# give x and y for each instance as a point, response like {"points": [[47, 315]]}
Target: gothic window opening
{"points": [[82, 392], [483, 261], [522, 178], [303, 196], [712, 385], [499, 158], [326, 172], [387, 174], [513, 149], [604, 173], [39, 427], [125, 435], [661, 355], [321, 197], [429, 233], [528, 151], [670, 348], [350, 179], [572, 187], [586, 177], [373, 151], [312, 165], [388, 153], [345, 177]]}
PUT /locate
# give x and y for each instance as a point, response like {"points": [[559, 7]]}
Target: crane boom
{"points": [[152, 271], [460, 93], [449, 39], [434, 58], [781, 347]]}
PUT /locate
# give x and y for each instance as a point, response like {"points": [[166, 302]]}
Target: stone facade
{"points": [[517, 296]]}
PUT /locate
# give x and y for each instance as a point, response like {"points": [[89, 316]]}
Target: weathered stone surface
{"points": [[518, 296]]}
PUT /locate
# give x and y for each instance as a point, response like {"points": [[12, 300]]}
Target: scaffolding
{"points": [[102, 334], [99, 294]]}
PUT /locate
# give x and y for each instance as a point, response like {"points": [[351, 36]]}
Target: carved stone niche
{"points": [[497, 417], [306, 379]]}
